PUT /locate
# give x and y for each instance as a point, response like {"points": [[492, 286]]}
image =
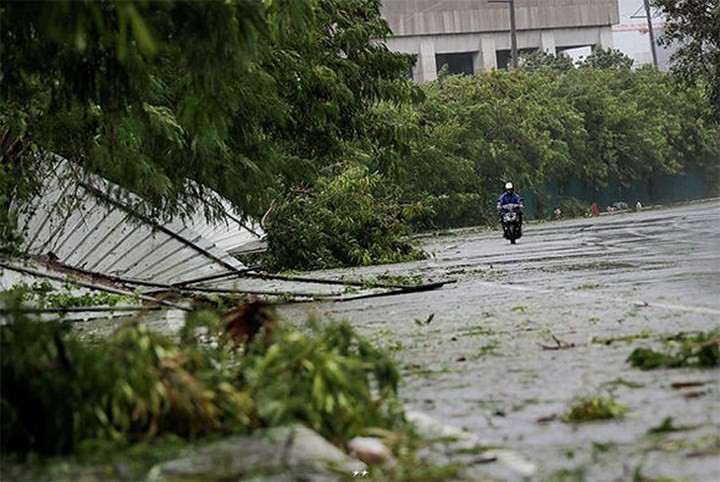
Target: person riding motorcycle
{"points": [[508, 197]]}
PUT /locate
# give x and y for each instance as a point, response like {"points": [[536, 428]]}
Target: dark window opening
{"points": [[503, 57], [461, 63]]}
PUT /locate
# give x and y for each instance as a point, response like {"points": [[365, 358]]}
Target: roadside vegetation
{"points": [[65, 394]]}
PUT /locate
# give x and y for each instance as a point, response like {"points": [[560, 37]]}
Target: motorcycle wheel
{"points": [[512, 241]]}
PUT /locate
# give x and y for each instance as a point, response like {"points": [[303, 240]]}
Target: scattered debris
{"points": [[666, 426], [559, 344], [243, 323], [97, 287], [426, 321], [548, 418], [679, 385], [700, 350], [594, 408], [371, 451]]}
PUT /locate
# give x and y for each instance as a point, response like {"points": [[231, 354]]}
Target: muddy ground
{"points": [[527, 329]]}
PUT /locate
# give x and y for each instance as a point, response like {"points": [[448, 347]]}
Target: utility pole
{"points": [[652, 34], [513, 31]]}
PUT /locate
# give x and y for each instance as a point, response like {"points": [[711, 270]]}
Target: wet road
{"points": [[481, 362]]}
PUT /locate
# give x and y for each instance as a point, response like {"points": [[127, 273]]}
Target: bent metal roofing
{"points": [[77, 230], [82, 226]]}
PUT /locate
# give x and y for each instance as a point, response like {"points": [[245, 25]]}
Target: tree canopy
{"points": [[229, 95], [693, 26]]}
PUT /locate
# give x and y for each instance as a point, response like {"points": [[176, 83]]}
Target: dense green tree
{"points": [[226, 94], [542, 59], [478, 132], [599, 126], [329, 77], [148, 94], [693, 26], [601, 58], [348, 217], [638, 123]]}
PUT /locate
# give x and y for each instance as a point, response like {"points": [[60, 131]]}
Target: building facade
{"points": [[632, 35], [474, 35]]}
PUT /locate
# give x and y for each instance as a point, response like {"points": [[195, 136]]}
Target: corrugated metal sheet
{"points": [[102, 237], [232, 235]]}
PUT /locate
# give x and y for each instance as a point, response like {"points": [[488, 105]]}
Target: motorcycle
{"points": [[511, 219]]}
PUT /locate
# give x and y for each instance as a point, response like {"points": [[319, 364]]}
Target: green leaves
{"points": [[590, 409], [682, 350], [345, 219], [325, 378], [692, 30], [243, 97], [147, 94], [597, 125], [60, 393]]}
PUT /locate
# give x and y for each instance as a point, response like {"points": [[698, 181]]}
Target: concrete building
{"points": [[474, 35]]}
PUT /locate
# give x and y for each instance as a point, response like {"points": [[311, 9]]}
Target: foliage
{"points": [[43, 295], [542, 59], [10, 239], [13, 187], [666, 426], [60, 394], [128, 89], [329, 77], [692, 28], [598, 126], [175, 101], [601, 58], [686, 350], [589, 409], [332, 380], [478, 132], [229, 95], [574, 208], [348, 218]]}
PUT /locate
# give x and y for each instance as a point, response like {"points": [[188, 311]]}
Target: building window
{"points": [[502, 57], [460, 63]]}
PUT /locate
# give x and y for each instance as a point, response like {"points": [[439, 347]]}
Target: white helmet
{"points": [[508, 185]]}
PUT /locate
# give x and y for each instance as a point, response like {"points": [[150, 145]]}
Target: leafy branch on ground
{"points": [[588, 409], [60, 393], [683, 350]]}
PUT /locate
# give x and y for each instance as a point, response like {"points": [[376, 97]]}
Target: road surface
{"points": [[530, 328]]}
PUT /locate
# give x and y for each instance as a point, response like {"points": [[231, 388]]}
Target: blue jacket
{"points": [[508, 198]]}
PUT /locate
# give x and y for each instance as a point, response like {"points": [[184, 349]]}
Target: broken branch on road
{"points": [[559, 344]]}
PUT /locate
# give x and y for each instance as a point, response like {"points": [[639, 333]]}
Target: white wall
{"points": [[631, 35]]}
